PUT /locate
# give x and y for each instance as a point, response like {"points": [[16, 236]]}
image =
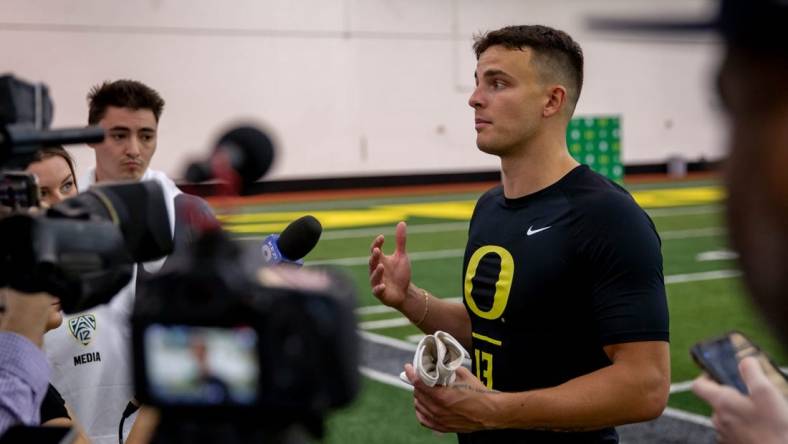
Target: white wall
{"points": [[352, 87]]}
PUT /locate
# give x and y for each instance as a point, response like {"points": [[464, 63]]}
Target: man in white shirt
{"points": [[90, 353]]}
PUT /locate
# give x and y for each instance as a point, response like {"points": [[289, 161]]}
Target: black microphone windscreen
{"points": [[199, 172], [255, 152], [300, 237]]}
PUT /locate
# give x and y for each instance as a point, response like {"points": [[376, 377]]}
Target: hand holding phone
{"points": [[720, 356]]}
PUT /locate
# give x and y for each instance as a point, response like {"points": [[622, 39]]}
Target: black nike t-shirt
{"points": [[553, 277]]}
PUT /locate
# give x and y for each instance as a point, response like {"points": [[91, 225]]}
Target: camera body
{"points": [[83, 249], [218, 336]]}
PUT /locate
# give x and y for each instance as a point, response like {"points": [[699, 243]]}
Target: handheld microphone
{"points": [[241, 156], [296, 240]]}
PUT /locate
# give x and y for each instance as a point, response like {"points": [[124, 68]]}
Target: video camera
{"points": [[221, 337], [82, 250]]}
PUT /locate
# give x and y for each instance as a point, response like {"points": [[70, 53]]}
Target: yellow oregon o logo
{"points": [[502, 285]]}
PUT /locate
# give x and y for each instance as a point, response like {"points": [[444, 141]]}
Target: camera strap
{"points": [[131, 407]]}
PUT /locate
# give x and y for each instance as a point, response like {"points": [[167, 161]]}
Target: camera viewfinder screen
{"points": [[188, 365]]}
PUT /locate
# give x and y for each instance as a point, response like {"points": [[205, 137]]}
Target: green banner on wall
{"points": [[596, 142]]}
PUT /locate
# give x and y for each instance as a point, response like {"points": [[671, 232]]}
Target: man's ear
{"points": [[556, 99]]}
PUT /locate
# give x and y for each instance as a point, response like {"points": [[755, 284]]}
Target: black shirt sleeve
{"points": [[621, 253], [53, 405]]}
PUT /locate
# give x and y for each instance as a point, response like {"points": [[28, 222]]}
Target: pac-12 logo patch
{"points": [[82, 327]]}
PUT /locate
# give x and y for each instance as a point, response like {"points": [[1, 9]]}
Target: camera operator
{"points": [[89, 354], [53, 410], [24, 374]]}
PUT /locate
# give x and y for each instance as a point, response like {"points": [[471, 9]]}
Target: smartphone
{"points": [[720, 356]]}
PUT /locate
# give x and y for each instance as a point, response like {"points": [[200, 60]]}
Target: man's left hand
{"points": [[464, 406]]}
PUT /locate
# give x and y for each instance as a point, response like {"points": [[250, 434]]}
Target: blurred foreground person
{"points": [[29, 310], [24, 373], [752, 88], [751, 85]]}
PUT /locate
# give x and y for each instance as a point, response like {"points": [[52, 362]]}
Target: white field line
{"points": [[702, 276], [463, 226], [376, 309], [684, 211], [416, 256], [371, 232], [374, 231], [687, 416], [691, 233], [384, 323], [415, 338], [716, 255], [385, 340], [457, 252], [385, 378], [401, 321], [679, 387]]}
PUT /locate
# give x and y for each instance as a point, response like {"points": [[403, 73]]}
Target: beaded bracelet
{"points": [[426, 308]]}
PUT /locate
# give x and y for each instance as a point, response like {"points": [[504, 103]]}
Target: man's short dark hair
{"points": [[559, 56], [122, 94]]}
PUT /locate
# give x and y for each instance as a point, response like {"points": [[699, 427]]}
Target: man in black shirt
{"points": [[564, 303]]}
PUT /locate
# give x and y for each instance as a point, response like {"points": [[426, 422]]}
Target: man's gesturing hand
{"points": [[389, 276]]}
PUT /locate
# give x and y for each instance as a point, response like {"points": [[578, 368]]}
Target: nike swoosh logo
{"points": [[531, 230]]}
